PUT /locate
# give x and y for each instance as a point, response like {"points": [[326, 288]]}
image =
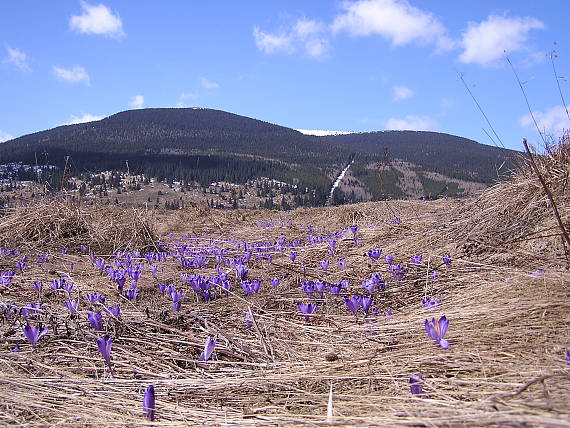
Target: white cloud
{"points": [[273, 43], [73, 120], [402, 93], [307, 27], [485, 42], [553, 121], [137, 101], [97, 20], [412, 123], [18, 59], [4, 136], [395, 20], [185, 96], [305, 35], [75, 75], [208, 84]]}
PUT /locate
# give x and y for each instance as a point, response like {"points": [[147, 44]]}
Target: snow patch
{"points": [[322, 132]]}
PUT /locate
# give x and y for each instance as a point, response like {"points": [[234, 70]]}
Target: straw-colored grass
{"points": [[509, 328]]}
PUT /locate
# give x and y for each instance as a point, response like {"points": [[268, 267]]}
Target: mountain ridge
{"points": [[205, 145]]}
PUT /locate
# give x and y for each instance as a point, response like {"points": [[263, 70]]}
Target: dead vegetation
{"points": [[509, 325]]}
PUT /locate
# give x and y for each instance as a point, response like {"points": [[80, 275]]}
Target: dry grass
{"points": [[54, 224], [508, 329]]}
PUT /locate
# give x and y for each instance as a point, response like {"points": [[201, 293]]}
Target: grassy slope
{"points": [[507, 328]]}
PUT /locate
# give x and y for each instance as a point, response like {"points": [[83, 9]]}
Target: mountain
{"points": [[201, 146]]}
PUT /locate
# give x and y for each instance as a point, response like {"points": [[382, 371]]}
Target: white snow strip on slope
{"points": [[322, 132]]}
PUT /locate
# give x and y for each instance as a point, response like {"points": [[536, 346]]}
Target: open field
{"points": [[505, 293]]}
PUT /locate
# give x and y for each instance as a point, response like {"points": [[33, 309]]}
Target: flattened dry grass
{"points": [[57, 223], [509, 328]]}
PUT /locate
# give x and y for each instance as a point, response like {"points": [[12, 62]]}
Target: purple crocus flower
{"points": [[93, 298], [153, 268], [72, 305], [389, 259], [34, 333], [209, 346], [341, 263], [375, 253], [366, 302], [21, 265], [38, 285], [436, 329], [148, 403], [176, 297], [336, 289], [397, 271], [83, 248], [68, 286], [319, 287], [325, 264], [241, 271], [308, 287], [100, 264], [354, 229], [568, 356], [131, 293], [164, 288], [275, 283], [430, 302], [104, 344], [63, 250], [353, 303], [307, 309], [115, 310], [248, 320], [447, 259], [417, 259], [434, 274], [95, 320], [293, 256], [416, 384], [42, 259]]}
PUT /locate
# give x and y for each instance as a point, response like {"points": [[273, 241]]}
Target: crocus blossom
{"points": [[430, 302], [353, 303], [307, 309], [209, 346], [104, 344], [34, 333], [417, 259], [275, 283], [72, 305], [148, 403], [95, 320], [115, 310], [416, 384], [248, 320], [375, 253], [436, 329]]}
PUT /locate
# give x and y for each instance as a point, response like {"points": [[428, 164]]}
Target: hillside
{"points": [[160, 288], [201, 146]]}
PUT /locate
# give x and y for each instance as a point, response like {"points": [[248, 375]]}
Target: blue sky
{"points": [[360, 65]]}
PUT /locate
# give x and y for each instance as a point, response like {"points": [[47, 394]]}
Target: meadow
{"points": [[412, 313]]}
